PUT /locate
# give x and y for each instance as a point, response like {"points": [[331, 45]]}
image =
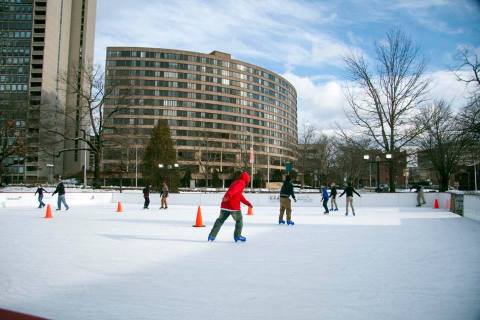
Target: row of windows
{"points": [[196, 86], [232, 139], [15, 51], [14, 43], [207, 115], [15, 34], [10, 61], [280, 114], [199, 105], [185, 57], [201, 124], [14, 78], [16, 1], [15, 16], [22, 8], [13, 70], [13, 87], [196, 77], [201, 115], [15, 25], [200, 96], [191, 67]]}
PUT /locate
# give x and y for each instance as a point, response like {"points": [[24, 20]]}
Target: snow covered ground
{"points": [[93, 263]]}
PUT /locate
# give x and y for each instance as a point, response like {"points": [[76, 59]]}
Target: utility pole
{"points": [[84, 169], [136, 166], [252, 160]]}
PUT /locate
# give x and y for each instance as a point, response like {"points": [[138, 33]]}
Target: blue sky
{"points": [[302, 40]]}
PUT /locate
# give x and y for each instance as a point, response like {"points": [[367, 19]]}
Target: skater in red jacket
{"points": [[231, 206]]}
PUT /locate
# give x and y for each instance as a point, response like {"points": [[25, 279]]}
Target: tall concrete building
{"points": [[44, 42], [217, 109]]}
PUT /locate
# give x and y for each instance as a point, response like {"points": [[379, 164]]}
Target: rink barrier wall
{"points": [[471, 207], [28, 199], [303, 199], [8, 200]]}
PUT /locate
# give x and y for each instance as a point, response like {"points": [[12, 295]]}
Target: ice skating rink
{"points": [[94, 263]]}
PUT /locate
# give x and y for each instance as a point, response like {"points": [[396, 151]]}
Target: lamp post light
{"points": [[170, 166]]}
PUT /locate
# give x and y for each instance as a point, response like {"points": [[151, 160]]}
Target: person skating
{"points": [[285, 203], [60, 189], [40, 192], [325, 199], [164, 196], [420, 196], [146, 196], [231, 206], [333, 197], [349, 190]]}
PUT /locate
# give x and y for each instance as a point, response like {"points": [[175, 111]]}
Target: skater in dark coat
{"points": [[40, 192], [285, 203], [146, 196], [230, 206], [349, 190], [60, 189], [420, 196], [333, 196], [325, 199]]}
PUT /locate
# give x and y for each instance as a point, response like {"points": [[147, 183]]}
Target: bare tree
{"points": [[206, 155], [12, 144], [324, 148], [443, 142], [347, 159], [96, 102], [383, 101], [307, 137], [468, 71]]}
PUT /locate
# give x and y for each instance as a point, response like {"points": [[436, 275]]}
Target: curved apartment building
{"points": [[217, 109]]}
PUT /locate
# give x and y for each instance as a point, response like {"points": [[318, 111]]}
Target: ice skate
{"points": [[240, 238], [281, 222], [290, 223]]}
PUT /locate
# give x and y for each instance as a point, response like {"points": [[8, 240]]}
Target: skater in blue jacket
{"points": [[325, 199]]}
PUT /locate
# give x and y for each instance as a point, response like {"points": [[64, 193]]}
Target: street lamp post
{"points": [[367, 157], [377, 160]]}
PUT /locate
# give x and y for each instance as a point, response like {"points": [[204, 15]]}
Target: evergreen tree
{"points": [[160, 150]]}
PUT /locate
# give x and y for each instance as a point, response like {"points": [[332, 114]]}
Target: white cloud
{"points": [[282, 31], [320, 104], [445, 86]]}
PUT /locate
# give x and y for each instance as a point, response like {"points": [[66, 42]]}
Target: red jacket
{"points": [[233, 196]]}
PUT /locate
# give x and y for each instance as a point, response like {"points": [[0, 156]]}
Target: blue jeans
{"points": [[40, 202], [60, 200]]}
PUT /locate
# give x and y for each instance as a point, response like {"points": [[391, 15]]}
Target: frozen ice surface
{"points": [[94, 263]]}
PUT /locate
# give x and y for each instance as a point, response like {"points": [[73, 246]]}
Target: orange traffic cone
{"points": [[48, 212], [250, 211], [436, 205], [199, 221], [119, 207]]}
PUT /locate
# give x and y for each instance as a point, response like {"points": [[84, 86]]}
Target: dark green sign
{"points": [[288, 167]]}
